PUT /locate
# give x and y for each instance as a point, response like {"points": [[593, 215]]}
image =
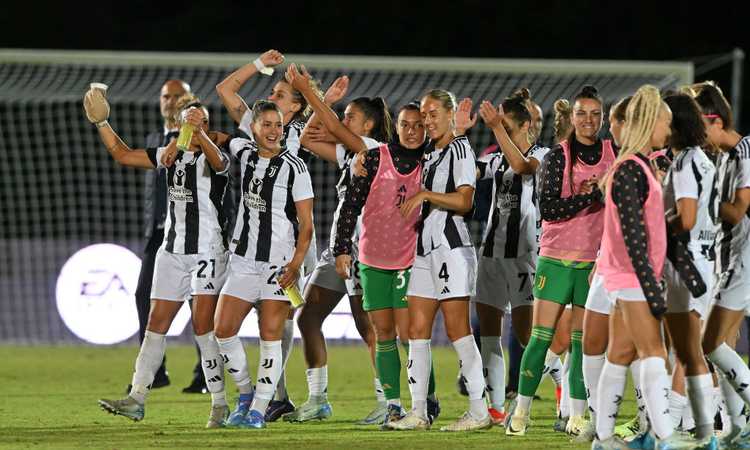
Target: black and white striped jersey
{"points": [[195, 193], [266, 228], [344, 160], [512, 223], [290, 140], [691, 175], [443, 171], [732, 173]]}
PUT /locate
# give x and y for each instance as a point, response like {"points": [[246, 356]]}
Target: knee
{"points": [[158, 324], [385, 332], [621, 356], [594, 344], [308, 323]]}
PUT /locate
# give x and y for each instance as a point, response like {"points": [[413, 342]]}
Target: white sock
{"points": [[379, 392], [578, 407], [317, 382], [235, 362], [213, 367], [611, 387], [470, 362], [523, 405], [733, 401], [720, 406], [592, 371], [565, 391], [656, 387], [493, 366], [552, 367], [147, 363], [394, 401], [677, 402], [269, 371], [688, 422], [287, 342], [734, 369], [635, 373], [418, 372]]}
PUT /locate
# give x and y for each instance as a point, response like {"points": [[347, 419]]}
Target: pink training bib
{"points": [[388, 240], [614, 263], [577, 238]]}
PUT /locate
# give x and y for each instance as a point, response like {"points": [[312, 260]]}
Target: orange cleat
{"points": [[497, 417]]}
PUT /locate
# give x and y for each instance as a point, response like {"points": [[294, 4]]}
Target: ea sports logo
{"points": [[96, 293]]}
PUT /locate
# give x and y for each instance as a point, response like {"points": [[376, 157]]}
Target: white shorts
{"points": [[679, 298], [325, 275], [627, 294], [444, 273], [505, 283], [598, 299], [732, 288], [311, 257], [253, 281], [178, 277]]}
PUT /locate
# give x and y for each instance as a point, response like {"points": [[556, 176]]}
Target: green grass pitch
{"points": [[48, 400]]}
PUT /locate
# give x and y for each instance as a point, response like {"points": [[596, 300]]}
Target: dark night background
{"points": [[518, 29]]}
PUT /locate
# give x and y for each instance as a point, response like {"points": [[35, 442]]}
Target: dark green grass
{"points": [[48, 400]]}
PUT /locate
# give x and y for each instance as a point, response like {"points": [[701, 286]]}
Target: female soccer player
{"points": [[294, 110], [732, 249], [572, 214], [271, 237], [192, 260], [444, 272], [369, 119], [508, 253]]}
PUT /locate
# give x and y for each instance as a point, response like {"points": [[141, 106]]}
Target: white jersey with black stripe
{"points": [[512, 223], [443, 171], [732, 173], [267, 226], [691, 175], [292, 133], [344, 160], [195, 194]]}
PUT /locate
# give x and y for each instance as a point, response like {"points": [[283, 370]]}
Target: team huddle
{"points": [[629, 253]]}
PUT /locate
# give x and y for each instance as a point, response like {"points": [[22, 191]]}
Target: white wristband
{"points": [[101, 124], [268, 71]]}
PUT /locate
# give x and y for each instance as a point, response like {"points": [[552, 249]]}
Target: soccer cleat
{"points": [[675, 442], [253, 419], [737, 443], [127, 407], [394, 413], [467, 422], [197, 386], [628, 429], [586, 434], [218, 416], [709, 443], [310, 410], [238, 415], [516, 425], [561, 423], [433, 409], [611, 443], [497, 417], [375, 417], [410, 422], [642, 441], [277, 408], [576, 425]]}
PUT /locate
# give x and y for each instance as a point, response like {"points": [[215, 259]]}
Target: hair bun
{"points": [[523, 93], [590, 90], [562, 106]]}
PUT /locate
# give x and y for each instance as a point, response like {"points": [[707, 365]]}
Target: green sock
{"points": [[575, 375], [431, 384], [532, 363], [388, 363]]}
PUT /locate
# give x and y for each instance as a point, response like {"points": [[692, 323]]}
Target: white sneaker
{"points": [[517, 425], [576, 425], [410, 422], [467, 422], [219, 414], [587, 434]]}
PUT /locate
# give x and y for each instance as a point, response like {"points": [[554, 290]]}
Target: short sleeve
{"points": [[227, 163], [246, 121], [464, 165], [488, 165], [743, 178], [539, 153], [685, 184], [236, 145], [154, 155], [340, 156], [302, 186]]}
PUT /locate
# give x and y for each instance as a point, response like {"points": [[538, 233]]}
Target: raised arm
{"points": [[217, 160], [301, 81], [97, 111], [229, 88], [315, 136], [493, 118]]}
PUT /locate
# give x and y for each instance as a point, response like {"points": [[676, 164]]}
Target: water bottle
{"points": [[292, 291], [186, 132]]}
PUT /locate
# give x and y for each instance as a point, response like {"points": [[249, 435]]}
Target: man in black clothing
{"points": [[154, 215]]}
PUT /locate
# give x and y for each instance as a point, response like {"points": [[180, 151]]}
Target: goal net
{"points": [[61, 192]]}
